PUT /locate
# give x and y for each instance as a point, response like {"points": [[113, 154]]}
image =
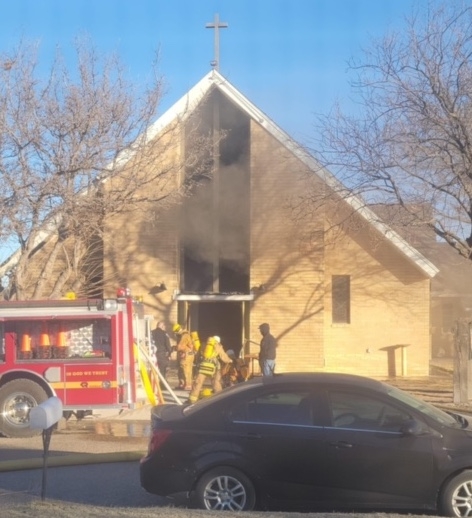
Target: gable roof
{"points": [[186, 105], [215, 80]]}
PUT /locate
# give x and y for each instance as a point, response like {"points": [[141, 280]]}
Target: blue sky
{"points": [[289, 57]]}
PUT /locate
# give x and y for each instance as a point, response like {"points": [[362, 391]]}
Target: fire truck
{"points": [[84, 351]]}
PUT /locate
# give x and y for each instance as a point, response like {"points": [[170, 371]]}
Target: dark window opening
{"points": [[341, 297], [215, 234]]}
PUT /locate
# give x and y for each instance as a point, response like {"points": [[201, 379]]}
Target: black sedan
{"points": [[318, 441]]}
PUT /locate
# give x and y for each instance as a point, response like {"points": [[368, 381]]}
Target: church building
{"points": [[340, 290]]}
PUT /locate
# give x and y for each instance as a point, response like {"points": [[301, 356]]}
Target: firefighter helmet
{"points": [[176, 328]]}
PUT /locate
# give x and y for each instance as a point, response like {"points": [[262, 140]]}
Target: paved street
{"points": [[111, 485]]}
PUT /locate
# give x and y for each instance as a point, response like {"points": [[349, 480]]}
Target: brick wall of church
{"points": [[141, 247], [388, 333], [389, 329], [283, 259]]}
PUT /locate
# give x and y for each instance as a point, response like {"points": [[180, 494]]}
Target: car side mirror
{"points": [[414, 427]]}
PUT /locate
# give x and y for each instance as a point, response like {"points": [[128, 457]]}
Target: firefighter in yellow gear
{"points": [[210, 367], [185, 357]]}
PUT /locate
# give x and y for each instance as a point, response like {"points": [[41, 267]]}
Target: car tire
{"points": [[225, 489], [17, 398], [456, 497]]}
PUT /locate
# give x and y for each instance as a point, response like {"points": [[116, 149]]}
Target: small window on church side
{"points": [[341, 297]]}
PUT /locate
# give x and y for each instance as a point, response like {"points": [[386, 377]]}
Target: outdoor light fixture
{"points": [[158, 288]]}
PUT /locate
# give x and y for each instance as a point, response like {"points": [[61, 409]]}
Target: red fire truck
{"points": [[82, 351]]}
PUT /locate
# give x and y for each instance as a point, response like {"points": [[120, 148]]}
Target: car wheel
{"points": [[456, 497], [17, 398], [225, 488]]}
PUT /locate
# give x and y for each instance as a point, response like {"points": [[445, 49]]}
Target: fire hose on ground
{"points": [[76, 459]]}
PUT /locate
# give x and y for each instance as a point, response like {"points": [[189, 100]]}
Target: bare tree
{"points": [[409, 141], [76, 145]]}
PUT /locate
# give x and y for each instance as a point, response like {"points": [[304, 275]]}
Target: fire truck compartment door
{"points": [[89, 384]]}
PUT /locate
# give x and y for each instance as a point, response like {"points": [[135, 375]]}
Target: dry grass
{"points": [[48, 509]]}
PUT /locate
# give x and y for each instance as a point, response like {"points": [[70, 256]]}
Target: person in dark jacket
{"points": [[267, 353], [163, 347]]}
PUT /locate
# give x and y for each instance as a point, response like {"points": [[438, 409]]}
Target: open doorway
{"points": [[222, 318]]}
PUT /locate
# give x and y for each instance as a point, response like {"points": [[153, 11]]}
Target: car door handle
{"points": [[341, 444]]}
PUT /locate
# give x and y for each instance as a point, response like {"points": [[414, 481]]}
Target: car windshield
{"points": [[431, 411], [201, 403]]}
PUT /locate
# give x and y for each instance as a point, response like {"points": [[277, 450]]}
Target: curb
{"points": [[71, 460]]}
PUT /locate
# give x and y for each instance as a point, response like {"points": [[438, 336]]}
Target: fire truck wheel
{"points": [[17, 397]]}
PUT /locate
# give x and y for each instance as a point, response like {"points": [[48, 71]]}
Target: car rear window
{"points": [[202, 403], [276, 407]]}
